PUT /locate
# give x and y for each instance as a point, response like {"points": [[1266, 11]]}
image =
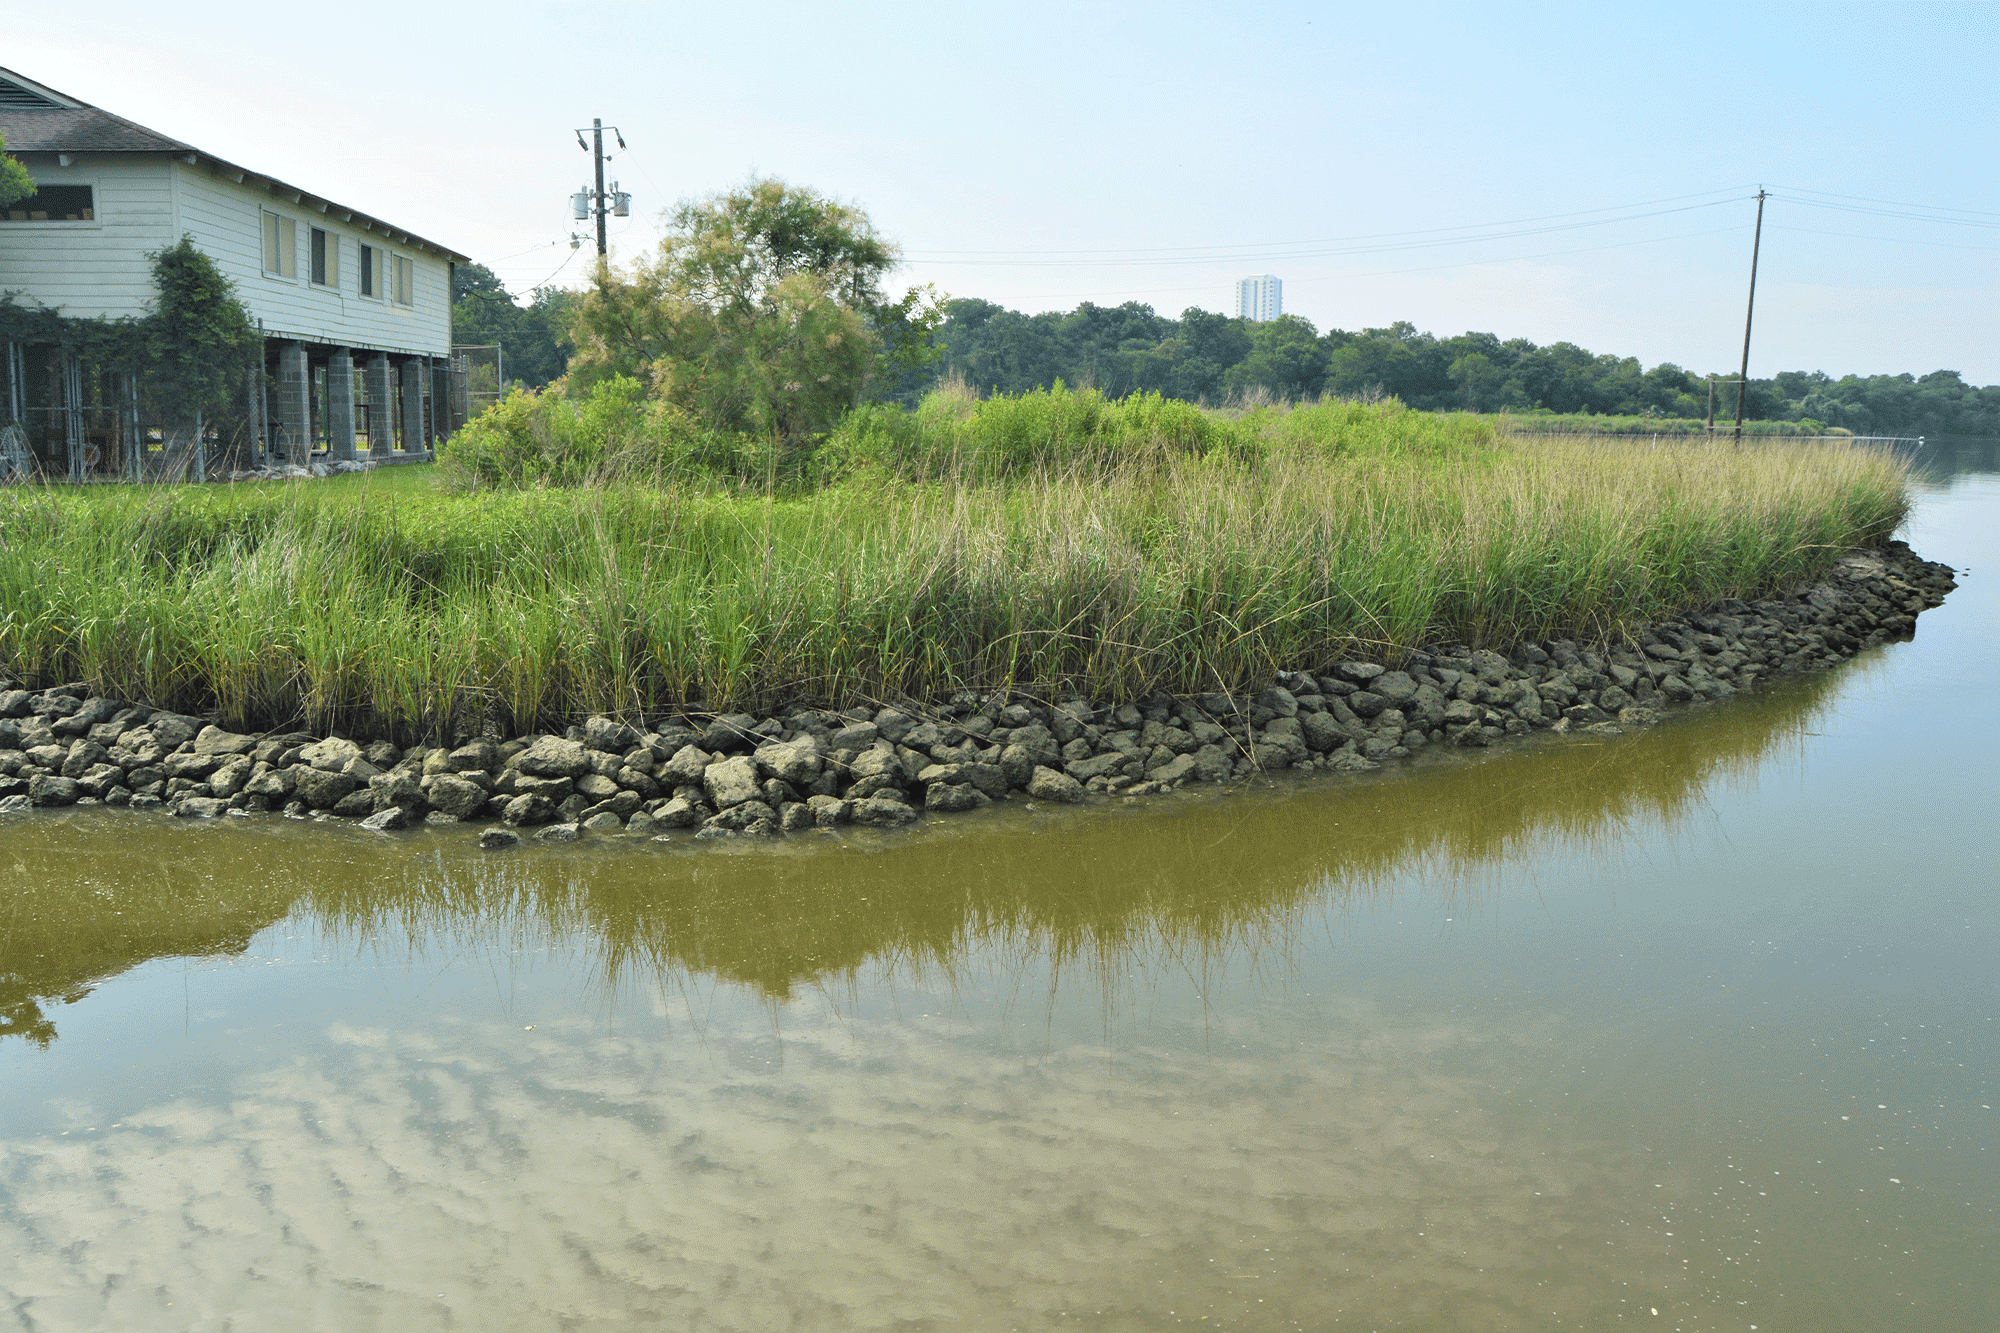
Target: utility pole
{"points": [[597, 151], [1743, 376], [596, 199]]}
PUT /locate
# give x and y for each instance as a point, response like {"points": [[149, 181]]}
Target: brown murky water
{"points": [[1693, 1029]]}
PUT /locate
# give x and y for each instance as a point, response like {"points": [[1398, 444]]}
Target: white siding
{"points": [[226, 220], [144, 202], [97, 267]]}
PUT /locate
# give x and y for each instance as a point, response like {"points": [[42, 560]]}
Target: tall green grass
{"points": [[614, 434], [398, 610], [1588, 423]]}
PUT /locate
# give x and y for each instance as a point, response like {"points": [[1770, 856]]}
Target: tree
{"points": [[15, 182], [198, 339], [763, 311], [1285, 358], [534, 339]]}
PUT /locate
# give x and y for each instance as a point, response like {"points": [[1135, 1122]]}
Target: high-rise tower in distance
{"points": [[1260, 298]]}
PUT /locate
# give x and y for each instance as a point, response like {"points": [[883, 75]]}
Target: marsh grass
{"points": [[403, 610]]}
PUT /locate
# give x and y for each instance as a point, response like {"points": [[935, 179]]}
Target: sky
{"points": [[1557, 172]]}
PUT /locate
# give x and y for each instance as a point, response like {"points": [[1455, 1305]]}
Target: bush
{"points": [[613, 432]]}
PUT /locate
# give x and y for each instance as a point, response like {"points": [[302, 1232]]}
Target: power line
{"points": [[1894, 203], [1894, 240], [1428, 268], [1365, 236], [1322, 253]]}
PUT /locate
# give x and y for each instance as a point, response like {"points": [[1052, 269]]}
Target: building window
{"points": [[281, 246], [371, 271], [54, 203], [406, 281], [325, 258]]}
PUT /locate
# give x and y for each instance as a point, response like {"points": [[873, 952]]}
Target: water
{"points": [[1693, 1029]]}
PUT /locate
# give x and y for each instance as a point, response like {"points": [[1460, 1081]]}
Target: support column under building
{"points": [[413, 405], [340, 406], [381, 396], [294, 404]]}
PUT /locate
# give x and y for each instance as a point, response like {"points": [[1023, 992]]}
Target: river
{"points": [[1693, 1029]]}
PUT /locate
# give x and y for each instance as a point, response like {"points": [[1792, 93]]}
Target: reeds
{"points": [[404, 611]]}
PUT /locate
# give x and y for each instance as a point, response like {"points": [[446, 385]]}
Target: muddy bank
{"points": [[702, 775]]}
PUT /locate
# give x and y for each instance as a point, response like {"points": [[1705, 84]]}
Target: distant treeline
{"points": [[1209, 358], [1206, 357]]}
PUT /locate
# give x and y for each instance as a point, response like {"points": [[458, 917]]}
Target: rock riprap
{"points": [[710, 775]]}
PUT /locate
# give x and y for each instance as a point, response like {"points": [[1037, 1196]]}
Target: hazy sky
{"points": [[1042, 155]]}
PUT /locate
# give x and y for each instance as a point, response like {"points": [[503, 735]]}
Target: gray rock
{"points": [[608, 733], [321, 789], [1181, 768], [526, 810], [559, 833], [604, 821], [946, 798], [231, 778], [880, 812], [640, 824], [796, 762], [82, 757], [731, 782], [678, 813], [1279, 701], [1098, 766], [200, 807], [686, 767], [387, 819], [355, 804], [830, 811], [12, 804], [454, 795], [173, 730], [795, 817], [474, 757], [1674, 687], [51, 789], [553, 757], [214, 740], [328, 756], [1395, 686], [399, 786], [1017, 765], [1366, 703], [1046, 784], [1360, 673], [1039, 742], [1350, 761], [747, 817], [855, 736], [596, 788], [441, 819]]}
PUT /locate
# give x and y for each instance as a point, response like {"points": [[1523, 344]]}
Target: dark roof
{"points": [[35, 118], [82, 129]]}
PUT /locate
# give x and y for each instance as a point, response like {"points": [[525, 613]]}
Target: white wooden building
{"points": [[355, 312]]}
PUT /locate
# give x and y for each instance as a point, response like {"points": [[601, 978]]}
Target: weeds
{"points": [[1167, 550]]}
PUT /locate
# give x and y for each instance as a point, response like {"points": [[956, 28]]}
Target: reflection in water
{"points": [[475, 1177], [405, 1085], [1193, 881]]}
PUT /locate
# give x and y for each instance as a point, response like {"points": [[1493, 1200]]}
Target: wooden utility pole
{"points": [[1743, 376], [597, 150]]}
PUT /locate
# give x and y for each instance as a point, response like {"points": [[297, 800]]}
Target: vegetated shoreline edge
{"points": [[700, 775]]}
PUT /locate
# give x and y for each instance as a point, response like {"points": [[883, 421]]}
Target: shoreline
{"points": [[700, 776]]}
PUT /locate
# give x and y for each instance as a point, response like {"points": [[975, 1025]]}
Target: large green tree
{"points": [[764, 310]]}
